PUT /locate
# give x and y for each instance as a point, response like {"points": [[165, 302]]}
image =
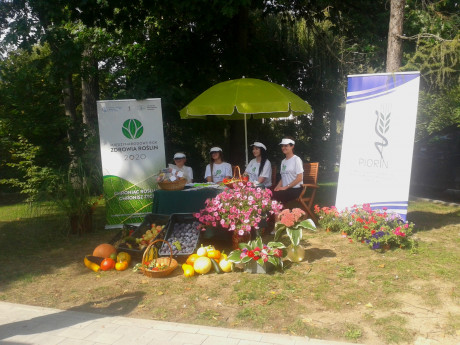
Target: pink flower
{"points": [[241, 232]]}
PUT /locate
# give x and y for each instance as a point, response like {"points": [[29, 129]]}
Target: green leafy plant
{"points": [[291, 222], [259, 252], [379, 229], [73, 194]]}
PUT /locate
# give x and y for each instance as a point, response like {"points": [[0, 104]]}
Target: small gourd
{"points": [[202, 265], [202, 251], [225, 265], [191, 259], [188, 270], [214, 254]]}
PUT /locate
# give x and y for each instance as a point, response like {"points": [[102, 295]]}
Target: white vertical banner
{"points": [[378, 140], [132, 152]]}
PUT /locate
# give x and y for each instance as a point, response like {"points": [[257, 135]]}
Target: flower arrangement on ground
{"points": [[256, 251], [239, 209], [377, 228], [292, 223]]}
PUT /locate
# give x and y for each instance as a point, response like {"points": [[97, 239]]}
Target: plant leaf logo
{"points": [[382, 125], [218, 172], [132, 129]]}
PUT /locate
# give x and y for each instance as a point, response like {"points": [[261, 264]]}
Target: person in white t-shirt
{"points": [[217, 169], [179, 166], [290, 185], [259, 169]]}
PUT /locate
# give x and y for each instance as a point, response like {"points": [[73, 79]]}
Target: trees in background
{"points": [[68, 54]]}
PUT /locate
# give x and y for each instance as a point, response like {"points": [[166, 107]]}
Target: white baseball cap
{"points": [[215, 149], [286, 141], [256, 143], [179, 155]]}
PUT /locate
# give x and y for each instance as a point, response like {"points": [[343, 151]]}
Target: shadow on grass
{"points": [[314, 254], [35, 246], [425, 220], [118, 306]]}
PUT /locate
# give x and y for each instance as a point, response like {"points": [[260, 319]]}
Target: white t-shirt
{"points": [[188, 172], [290, 168], [219, 171], [253, 171]]}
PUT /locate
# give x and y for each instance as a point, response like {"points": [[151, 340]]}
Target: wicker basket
{"points": [[173, 185], [236, 178], [152, 250]]}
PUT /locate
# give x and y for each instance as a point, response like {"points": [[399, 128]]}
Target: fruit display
{"points": [[149, 236], [107, 260], [205, 260], [104, 250], [183, 237]]}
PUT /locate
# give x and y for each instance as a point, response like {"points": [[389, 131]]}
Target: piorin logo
{"points": [[132, 129], [382, 125]]}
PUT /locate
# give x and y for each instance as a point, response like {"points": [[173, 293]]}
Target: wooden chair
{"points": [[307, 196], [274, 177]]}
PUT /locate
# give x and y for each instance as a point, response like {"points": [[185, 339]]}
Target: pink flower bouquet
{"points": [[239, 209], [292, 223]]}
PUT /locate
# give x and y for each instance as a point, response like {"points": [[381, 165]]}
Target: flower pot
{"points": [[237, 239], [216, 233], [254, 267], [295, 253]]}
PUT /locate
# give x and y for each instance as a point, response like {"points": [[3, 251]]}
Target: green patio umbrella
{"points": [[241, 99]]}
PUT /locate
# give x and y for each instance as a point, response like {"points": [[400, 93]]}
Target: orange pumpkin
{"points": [[104, 250], [191, 259], [214, 254]]}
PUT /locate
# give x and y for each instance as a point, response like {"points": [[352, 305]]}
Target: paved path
{"points": [[24, 324]]}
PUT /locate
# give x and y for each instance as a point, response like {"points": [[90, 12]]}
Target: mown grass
{"points": [[345, 291]]}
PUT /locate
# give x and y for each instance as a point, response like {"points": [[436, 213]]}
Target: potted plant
{"points": [[73, 194], [258, 257], [291, 222], [239, 209]]}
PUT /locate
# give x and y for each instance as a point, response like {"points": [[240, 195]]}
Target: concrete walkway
{"points": [[24, 324]]}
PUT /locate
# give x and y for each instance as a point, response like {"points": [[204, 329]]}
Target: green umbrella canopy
{"points": [[233, 99], [240, 99]]}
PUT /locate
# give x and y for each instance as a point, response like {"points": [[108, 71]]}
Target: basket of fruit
{"points": [[154, 266], [237, 177], [135, 239], [178, 184]]}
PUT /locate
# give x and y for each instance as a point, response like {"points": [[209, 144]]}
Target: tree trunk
{"points": [[89, 91], [394, 50], [71, 113]]}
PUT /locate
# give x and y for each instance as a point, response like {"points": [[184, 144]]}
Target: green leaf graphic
{"points": [[120, 211], [132, 129]]}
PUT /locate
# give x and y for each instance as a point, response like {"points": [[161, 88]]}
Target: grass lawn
{"points": [[343, 291]]}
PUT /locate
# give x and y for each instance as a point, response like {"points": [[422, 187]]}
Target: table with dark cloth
{"points": [[181, 201]]}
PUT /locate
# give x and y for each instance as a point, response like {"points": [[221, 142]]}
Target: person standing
{"points": [[259, 169], [179, 165], [217, 169], [290, 185]]}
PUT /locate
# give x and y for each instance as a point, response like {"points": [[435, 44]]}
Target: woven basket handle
{"points": [[235, 169], [149, 247]]}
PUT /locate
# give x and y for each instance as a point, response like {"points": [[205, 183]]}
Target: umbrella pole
{"points": [[246, 139]]}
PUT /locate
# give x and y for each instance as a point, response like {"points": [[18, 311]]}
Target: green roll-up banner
{"points": [[132, 152]]}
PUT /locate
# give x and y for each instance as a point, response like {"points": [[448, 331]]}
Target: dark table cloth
{"points": [[181, 201]]}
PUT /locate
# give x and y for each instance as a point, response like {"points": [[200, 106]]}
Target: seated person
{"points": [[290, 185], [259, 169], [179, 165], [217, 169]]}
